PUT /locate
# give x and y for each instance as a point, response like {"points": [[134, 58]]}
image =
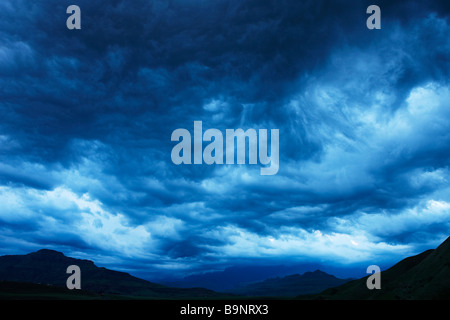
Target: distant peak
{"points": [[47, 252], [315, 272], [318, 271]]}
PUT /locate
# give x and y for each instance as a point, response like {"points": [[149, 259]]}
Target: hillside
{"points": [[292, 285], [236, 276], [421, 277], [48, 267], [43, 274]]}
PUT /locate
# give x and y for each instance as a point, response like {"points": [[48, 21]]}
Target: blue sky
{"points": [[87, 116]]}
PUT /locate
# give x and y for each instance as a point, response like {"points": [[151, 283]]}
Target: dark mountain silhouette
{"points": [[422, 277], [43, 274], [232, 277], [48, 267], [237, 276], [292, 285]]}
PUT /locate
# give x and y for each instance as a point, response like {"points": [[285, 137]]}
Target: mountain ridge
{"points": [[48, 267], [291, 285], [422, 276], [425, 276]]}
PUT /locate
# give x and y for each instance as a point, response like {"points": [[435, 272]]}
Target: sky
{"points": [[87, 117]]}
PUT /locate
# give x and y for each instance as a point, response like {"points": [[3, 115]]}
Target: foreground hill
{"points": [[42, 274], [292, 285], [48, 267], [421, 277]]}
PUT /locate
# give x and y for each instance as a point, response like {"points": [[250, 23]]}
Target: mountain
{"points": [[48, 267], [240, 275], [424, 276], [228, 279], [292, 285]]}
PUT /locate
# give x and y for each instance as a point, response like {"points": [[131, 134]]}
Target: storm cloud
{"points": [[87, 116]]}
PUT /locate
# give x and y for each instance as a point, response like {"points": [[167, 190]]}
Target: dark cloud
{"points": [[87, 117]]}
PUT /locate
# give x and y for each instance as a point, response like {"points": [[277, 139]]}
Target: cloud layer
{"points": [[87, 117]]}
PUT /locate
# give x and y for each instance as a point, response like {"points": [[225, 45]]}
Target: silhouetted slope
{"points": [[49, 267], [292, 285], [232, 277], [424, 276]]}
